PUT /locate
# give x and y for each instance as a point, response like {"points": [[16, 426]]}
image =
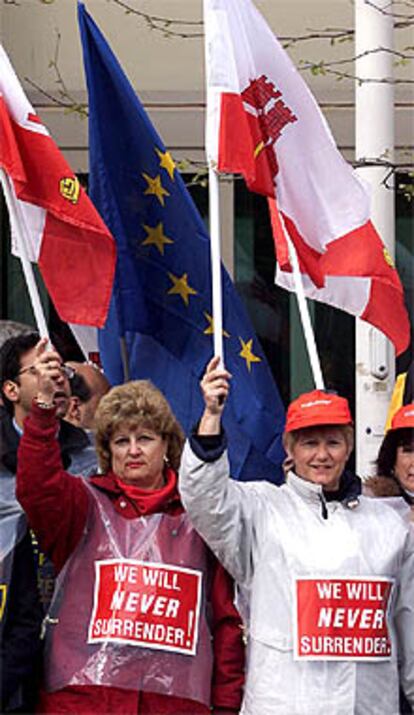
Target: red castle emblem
{"points": [[267, 115]]}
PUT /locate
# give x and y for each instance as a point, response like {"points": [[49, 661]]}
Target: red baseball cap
{"points": [[403, 418], [317, 408]]}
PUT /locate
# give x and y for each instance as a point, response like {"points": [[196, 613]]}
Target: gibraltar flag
{"points": [[263, 123], [62, 230]]}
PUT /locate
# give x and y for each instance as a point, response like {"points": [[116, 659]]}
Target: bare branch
{"points": [[46, 94], [391, 13], [163, 24], [365, 80], [155, 18], [332, 34], [323, 68], [69, 105], [64, 99], [376, 50]]}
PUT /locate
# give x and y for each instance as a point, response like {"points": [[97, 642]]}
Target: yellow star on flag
{"points": [[155, 187], [156, 237], [181, 287], [166, 162], [247, 354], [210, 328]]}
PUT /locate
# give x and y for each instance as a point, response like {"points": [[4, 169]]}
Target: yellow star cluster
{"points": [[157, 238]]}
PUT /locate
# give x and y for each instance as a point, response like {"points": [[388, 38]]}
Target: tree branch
{"points": [[65, 98], [163, 24], [324, 68], [391, 13]]}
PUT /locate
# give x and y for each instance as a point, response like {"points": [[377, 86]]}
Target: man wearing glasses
{"points": [[18, 384], [21, 603]]}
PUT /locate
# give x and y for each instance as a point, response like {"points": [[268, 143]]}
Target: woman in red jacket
{"points": [[142, 620]]}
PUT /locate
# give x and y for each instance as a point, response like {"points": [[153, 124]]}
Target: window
{"points": [[274, 312], [404, 252]]}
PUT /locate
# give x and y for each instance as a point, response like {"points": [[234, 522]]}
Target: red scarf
{"points": [[149, 501]]}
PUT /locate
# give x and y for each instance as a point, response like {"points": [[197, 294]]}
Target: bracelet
{"points": [[44, 405]]}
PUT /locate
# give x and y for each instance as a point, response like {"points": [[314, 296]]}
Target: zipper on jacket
{"points": [[324, 508]]}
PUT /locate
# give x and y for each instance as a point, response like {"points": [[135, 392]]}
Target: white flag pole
{"points": [[20, 231], [215, 252], [214, 206], [305, 318]]}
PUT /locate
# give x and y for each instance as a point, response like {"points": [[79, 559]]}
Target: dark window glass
{"points": [[404, 252], [275, 314], [272, 310], [254, 269]]}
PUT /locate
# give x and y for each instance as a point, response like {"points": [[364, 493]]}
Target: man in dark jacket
{"points": [[20, 608], [21, 602], [18, 383]]}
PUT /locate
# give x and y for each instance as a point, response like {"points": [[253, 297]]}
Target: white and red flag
{"points": [[263, 122], [61, 228]]}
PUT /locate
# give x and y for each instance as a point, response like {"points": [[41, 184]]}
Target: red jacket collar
{"points": [[146, 502]]}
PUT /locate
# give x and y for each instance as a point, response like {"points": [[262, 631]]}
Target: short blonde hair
{"points": [[291, 438], [136, 404]]}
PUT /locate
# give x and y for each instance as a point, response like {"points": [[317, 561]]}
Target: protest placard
{"points": [[342, 619], [146, 604]]}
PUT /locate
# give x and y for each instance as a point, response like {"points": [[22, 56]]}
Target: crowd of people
{"points": [[137, 577]]}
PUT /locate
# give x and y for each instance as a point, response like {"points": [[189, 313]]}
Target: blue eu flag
{"points": [[161, 303]]}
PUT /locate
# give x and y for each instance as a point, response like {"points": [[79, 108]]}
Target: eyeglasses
{"points": [[66, 370]]}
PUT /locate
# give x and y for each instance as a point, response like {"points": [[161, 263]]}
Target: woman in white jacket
{"points": [[327, 575]]}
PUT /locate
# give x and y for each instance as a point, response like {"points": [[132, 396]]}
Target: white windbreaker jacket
{"points": [[267, 537]]}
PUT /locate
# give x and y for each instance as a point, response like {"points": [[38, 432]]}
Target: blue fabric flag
{"points": [[161, 303]]}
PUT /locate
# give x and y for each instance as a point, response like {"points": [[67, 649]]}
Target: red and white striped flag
{"points": [[62, 230], [263, 122]]}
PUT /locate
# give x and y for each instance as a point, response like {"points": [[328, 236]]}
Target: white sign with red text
{"points": [[146, 604], [342, 619]]}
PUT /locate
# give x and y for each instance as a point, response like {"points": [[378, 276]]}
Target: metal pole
{"points": [[374, 141]]}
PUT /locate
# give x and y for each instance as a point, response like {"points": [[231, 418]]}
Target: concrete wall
{"points": [[168, 72]]}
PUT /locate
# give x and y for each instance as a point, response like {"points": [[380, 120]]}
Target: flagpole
{"points": [[214, 210], [215, 252], [19, 225], [124, 357], [305, 317]]}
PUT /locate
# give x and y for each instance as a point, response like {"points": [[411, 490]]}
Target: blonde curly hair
{"points": [[136, 404]]}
